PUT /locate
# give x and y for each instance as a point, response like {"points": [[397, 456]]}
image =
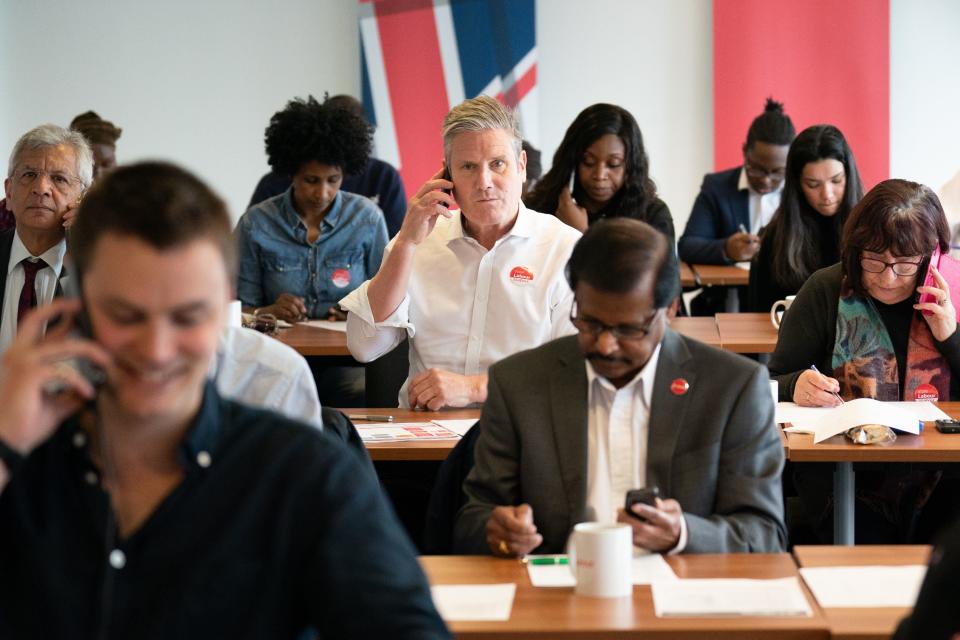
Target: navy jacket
{"points": [[719, 210]]}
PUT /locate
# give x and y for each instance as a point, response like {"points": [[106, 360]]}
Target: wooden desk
{"points": [[862, 623], [929, 446], [416, 450], [702, 329], [313, 341], [746, 332], [558, 613], [688, 279], [724, 275]]}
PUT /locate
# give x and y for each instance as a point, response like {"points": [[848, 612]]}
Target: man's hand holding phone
{"points": [[656, 523], [36, 361], [429, 203]]}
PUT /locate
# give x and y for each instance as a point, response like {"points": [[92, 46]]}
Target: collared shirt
{"points": [[762, 206], [276, 258], [617, 430], [260, 371], [467, 307], [45, 283], [273, 529]]}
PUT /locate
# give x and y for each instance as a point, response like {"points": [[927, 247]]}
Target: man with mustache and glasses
{"points": [[570, 427], [50, 168]]}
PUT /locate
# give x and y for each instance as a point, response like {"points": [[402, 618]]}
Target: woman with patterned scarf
{"points": [[860, 322]]}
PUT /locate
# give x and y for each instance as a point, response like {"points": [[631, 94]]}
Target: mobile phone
{"points": [[81, 329], [929, 280], [948, 426], [646, 495], [573, 180], [446, 176]]}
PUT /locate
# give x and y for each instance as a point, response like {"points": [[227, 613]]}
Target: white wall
{"points": [[925, 90], [197, 82]]}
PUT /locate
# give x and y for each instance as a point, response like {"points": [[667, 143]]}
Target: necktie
{"points": [[28, 295]]}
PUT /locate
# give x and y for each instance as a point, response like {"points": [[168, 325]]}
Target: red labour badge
{"points": [[679, 386]]}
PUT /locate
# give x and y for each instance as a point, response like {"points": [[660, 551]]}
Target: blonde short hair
{"points": [[480, 114]]}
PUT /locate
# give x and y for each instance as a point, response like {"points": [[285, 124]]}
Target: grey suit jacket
{"points": [[714, 449]]}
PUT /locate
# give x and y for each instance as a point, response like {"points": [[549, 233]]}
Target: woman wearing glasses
{"points": [[859, 322], [821, 188]]}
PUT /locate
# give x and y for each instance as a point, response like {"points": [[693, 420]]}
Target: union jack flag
{"points": [[421, 57]]}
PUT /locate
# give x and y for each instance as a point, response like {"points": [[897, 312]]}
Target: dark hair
{"points": [[614, 255], [638, 191], [902, 216], [772, 126], [159, 203], [797, 248], [307, 130], [534, 167]]}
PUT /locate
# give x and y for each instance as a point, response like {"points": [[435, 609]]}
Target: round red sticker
{"points": [[340, 278], [679, 386], [521, 275], [926, 392]]}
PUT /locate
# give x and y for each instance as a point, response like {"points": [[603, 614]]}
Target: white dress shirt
{"points": [[260, 371], [45, 284], [617, 430], [762, 206], [467, 307]]}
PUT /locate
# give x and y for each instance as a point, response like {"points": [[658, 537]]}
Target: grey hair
{"points": [[51, 135], [480, 114]]}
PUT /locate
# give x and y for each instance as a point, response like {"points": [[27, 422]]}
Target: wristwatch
{"points": [[11, 458]]}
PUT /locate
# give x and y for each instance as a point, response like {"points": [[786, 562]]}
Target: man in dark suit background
{"points": [[733, 206], [49, 170], [569, 427]]}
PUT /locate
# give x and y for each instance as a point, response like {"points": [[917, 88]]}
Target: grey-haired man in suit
{"points": [[569, 427]]}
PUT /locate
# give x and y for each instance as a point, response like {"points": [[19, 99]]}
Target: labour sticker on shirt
{"points": [[926, 392], [679, 386], [521, 275], [340, 278]]}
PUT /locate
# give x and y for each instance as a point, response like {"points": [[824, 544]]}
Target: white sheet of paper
{"points": [[871, 586], [394, 432], [326, 324], [459, 427], [733, 597], [745, 265], [802, 417], [647, 569], [474, 601], [864, 411]]}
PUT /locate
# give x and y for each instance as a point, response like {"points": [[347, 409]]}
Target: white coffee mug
{"points": [[777, 316], [775, 391], [601, 556]]}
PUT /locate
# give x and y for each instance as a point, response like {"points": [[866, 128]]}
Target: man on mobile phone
{"points": [[50, 168], [467, 286], [152, 506], [571, 427]]}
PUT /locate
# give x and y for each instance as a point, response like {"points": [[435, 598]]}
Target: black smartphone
{"points": [[948, 426], [81, 329], [446, 176], [647, 496]]}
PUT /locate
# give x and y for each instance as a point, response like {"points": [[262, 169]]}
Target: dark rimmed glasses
{"points": [[620, 332]]}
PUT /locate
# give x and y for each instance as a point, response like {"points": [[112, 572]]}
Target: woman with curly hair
{"points": [[601, 170], [305, 249]]}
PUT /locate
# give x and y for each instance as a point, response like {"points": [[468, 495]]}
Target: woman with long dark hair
{"points": [[601, 170], [821, 187]]}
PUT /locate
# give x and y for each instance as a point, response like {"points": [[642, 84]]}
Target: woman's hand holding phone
{"points": [[34, 362], [940, 314], [570, 212]]}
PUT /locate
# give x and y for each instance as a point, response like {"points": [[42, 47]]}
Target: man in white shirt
{"points": [[570, 427], [468, 287], [50, 168]]}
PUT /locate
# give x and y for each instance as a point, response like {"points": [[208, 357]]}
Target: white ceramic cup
{"points": [[776, 314], [601, 556], [234, 318], [775, 391]]}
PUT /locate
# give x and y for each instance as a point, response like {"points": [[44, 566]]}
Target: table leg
{"points": [[843, 503], [732, 302]]}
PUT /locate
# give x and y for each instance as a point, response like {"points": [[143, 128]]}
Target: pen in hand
{"points": [[836, 395]]}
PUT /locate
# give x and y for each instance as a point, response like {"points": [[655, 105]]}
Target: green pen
{"points": [[549, 560]]}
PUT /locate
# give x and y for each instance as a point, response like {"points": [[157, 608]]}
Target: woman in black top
{"points": [[821, 187], [601, 170]]}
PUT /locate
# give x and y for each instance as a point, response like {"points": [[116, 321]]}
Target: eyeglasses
{"points": [[872, 265], [760, 173], [62, 182], [621, 332]]}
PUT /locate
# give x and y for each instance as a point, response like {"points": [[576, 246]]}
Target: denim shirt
{"points": [[276, 258]]}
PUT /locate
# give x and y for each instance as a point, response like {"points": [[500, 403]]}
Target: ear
{"points": [[6, 188], [522, 166]]}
